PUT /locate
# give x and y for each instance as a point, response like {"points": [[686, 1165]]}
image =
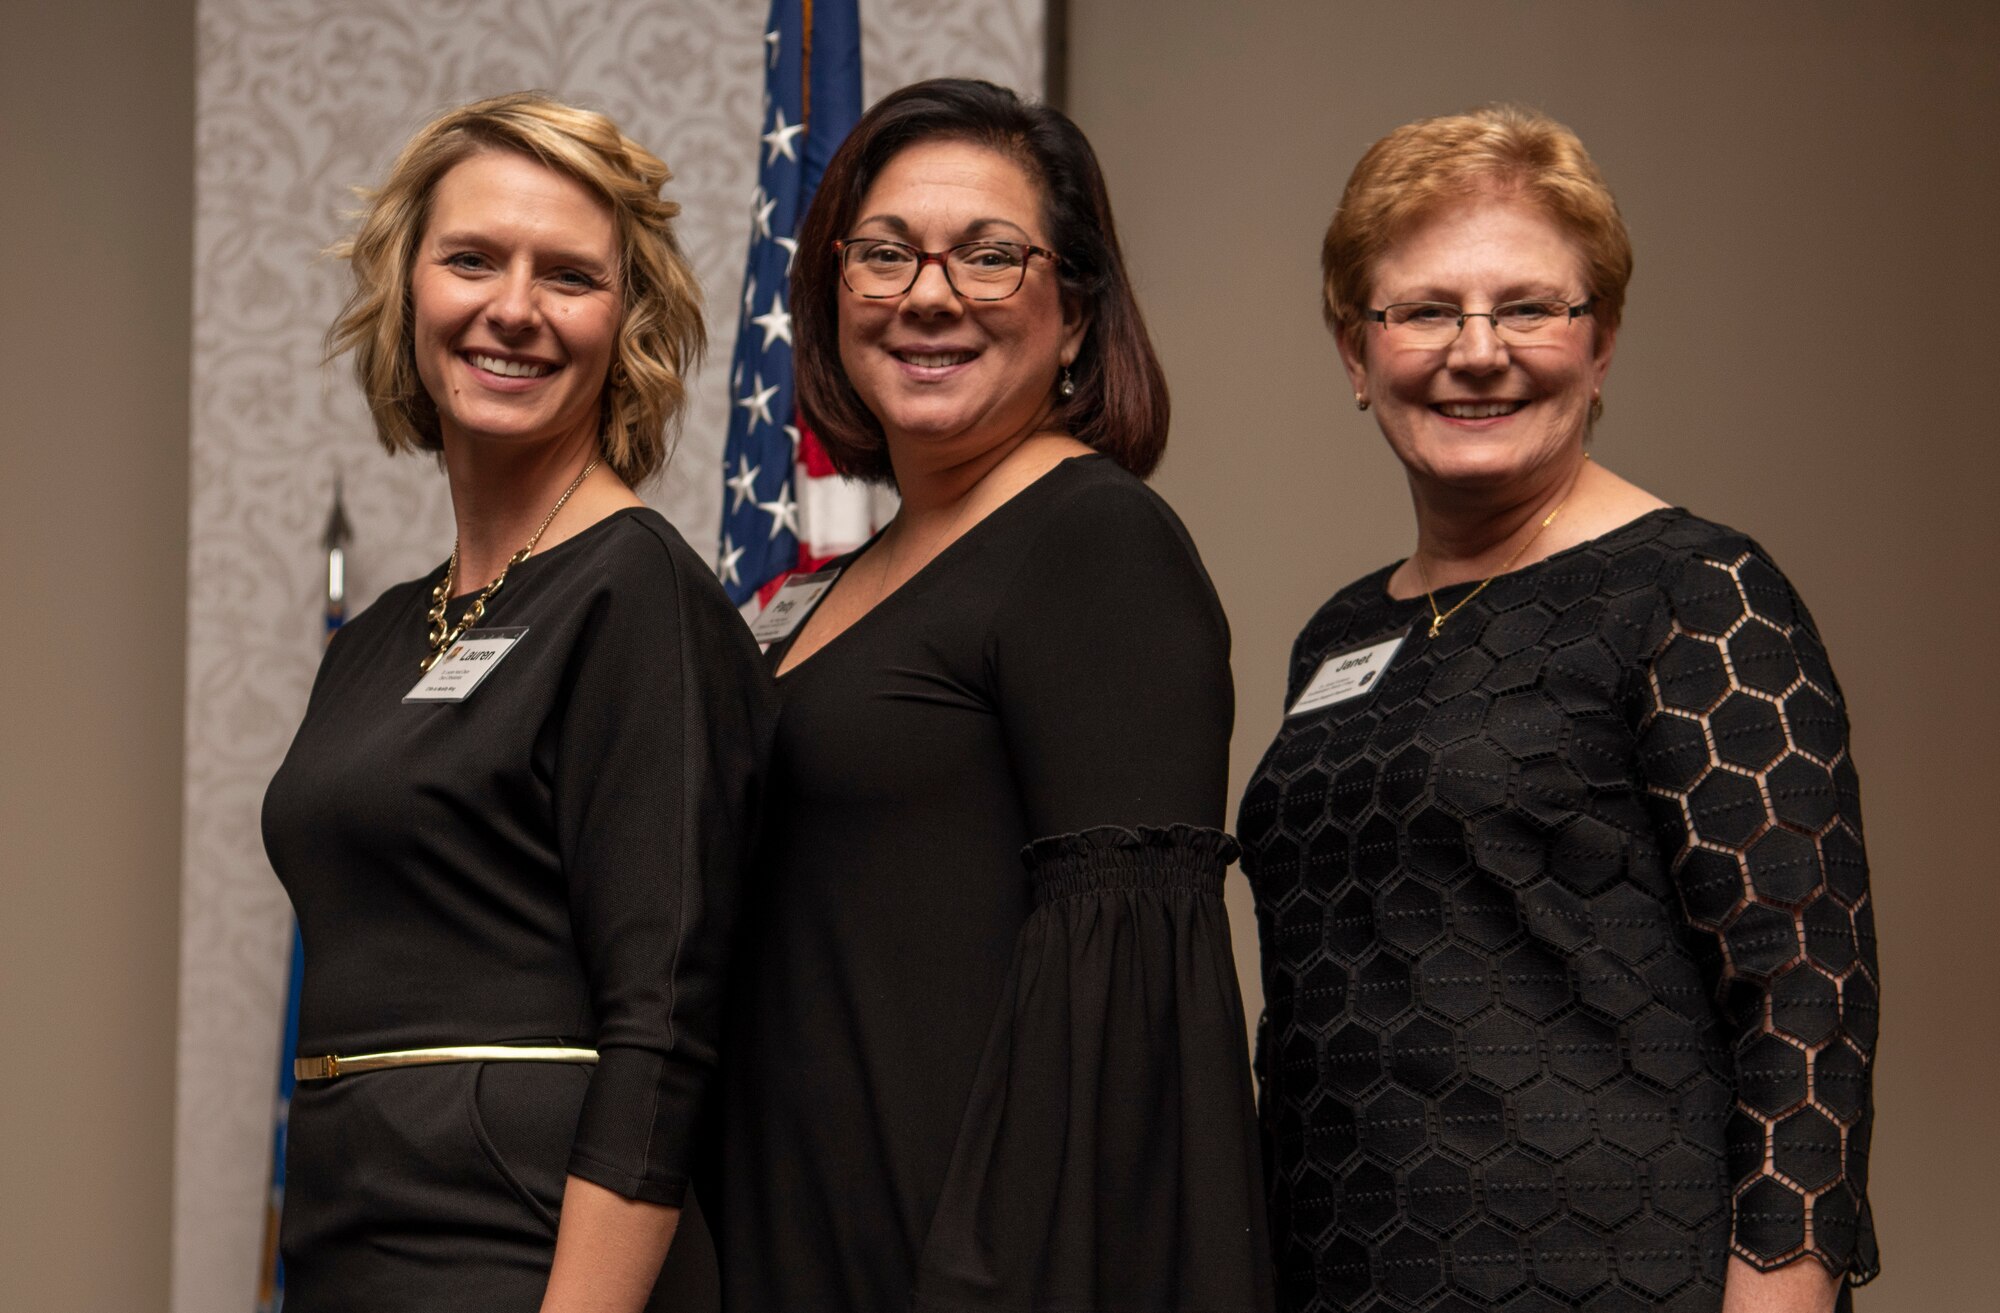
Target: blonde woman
{"points": [[510, 822]]}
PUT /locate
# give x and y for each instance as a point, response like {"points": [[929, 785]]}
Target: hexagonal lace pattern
{"points": [[1569, 960]]}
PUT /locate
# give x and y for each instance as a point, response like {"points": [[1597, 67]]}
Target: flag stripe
{"points": [[783, 505]]}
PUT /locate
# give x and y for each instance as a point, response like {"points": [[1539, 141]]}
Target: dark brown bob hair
{"points": [[1120, 403]]}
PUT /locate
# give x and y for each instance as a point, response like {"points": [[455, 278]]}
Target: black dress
{"points": [[1569, 959], [555, 860], [986, 1050]]}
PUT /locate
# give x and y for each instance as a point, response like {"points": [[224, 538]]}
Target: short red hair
{"points": [[1421, 168]]}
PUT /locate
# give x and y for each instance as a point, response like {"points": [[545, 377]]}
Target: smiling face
{"points": [[950, 379], [516, 302], [1483, 413]]}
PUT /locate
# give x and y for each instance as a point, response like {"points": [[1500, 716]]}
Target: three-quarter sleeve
{"points": [[660, 735], [1743, 751], [1107, 1159]]}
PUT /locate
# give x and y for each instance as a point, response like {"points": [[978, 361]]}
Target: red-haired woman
{"points": [[1569, 961]]}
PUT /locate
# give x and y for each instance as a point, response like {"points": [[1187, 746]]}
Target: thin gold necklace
{"points": [[1423, 576], [442, 637]]}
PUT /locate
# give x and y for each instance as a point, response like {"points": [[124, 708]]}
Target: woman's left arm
{"points": [[1108, 1156], [608, 1250], [1801, 1286], [1744, 755], [1110, 661], [659, 744]]}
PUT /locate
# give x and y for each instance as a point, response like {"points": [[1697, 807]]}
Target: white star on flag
{"points": [[775, 323], [773, 507], [784, 512], [779, 138], [758, 400], [744, 482], [725, 569]]}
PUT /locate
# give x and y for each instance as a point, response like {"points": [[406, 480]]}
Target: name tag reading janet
{"points": [[1347, 675], [470, 660], [790, 605]]}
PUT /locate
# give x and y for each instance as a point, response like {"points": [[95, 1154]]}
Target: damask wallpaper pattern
{"points": [[299, 102]]}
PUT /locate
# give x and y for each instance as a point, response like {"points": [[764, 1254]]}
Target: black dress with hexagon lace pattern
{"points": [[1569, 959]]}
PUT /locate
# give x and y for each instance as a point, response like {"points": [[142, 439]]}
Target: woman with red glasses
{"points": [[986, 1047]]}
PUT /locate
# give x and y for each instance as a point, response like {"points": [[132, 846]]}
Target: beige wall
{"points": [[1835, 168], [96, 154], [1809, 188]]}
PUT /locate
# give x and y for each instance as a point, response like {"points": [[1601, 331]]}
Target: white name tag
{"points": [[460, 670], [790, 605], [1347, 675]]}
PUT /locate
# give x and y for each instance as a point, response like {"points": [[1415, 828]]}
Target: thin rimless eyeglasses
{"points": [[1438, 323]]}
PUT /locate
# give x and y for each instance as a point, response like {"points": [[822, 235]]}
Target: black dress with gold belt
{"points": [[554, 860]]}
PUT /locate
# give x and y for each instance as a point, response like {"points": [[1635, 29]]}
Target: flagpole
{"points": [[339, 533], [271, 1275]]}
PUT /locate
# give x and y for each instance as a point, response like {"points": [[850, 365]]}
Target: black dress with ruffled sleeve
{"points": [[986, 1049], [1569, 955]]}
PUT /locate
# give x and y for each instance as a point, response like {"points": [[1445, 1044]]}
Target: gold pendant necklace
{"points": [[442, 637], [1423, 576]]}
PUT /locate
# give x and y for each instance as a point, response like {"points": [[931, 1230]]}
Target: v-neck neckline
{"points": [[919, 581]]}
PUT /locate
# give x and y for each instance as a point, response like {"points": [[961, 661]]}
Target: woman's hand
{"points": [[1802, 1287], [608, 1251]]}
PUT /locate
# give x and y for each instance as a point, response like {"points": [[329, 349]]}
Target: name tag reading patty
{"points": [[460, 670], [1346, 675], [790, 605]]}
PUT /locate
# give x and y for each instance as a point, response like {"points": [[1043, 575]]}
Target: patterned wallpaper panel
{"points": [[299, 102]]}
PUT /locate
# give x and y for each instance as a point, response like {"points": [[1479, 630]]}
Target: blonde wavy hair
{"points": [[660, 337], [1421, 168]]}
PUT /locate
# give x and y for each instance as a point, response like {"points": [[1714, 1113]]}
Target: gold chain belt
{"points": [[333, 1065]]}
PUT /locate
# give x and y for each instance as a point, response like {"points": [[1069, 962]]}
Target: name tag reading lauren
{"points": [[1347, 675], [790, 605], [460, 670]]}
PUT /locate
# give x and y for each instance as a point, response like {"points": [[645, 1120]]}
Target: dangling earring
{"points": [[1360, 402], [619, 378], [1065, 389], [1596, 406]]}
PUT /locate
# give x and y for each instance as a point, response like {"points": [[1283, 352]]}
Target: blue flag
{"points": [[271, 1267], [812, 97], [271, 1279]]}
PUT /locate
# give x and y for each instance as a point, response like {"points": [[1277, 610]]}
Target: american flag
{"points": [[783, 507]]}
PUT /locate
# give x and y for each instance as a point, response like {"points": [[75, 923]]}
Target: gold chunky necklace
{"points": [[1439, 617], [442, 637]]}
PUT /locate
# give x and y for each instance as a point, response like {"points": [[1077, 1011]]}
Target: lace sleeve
{"points": [[1743, 752]]}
